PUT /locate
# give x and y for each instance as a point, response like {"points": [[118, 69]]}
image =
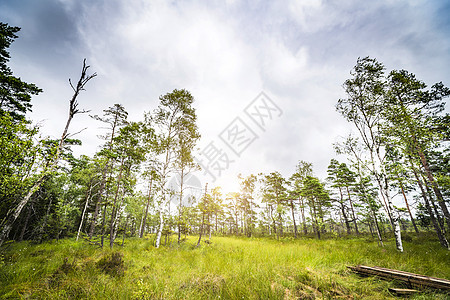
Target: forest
{"points": [[387, 195]]}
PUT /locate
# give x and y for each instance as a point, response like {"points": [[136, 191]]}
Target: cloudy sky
{"points": [[225, 53]]}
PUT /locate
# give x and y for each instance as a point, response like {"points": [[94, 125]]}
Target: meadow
{"points": [[226, 268]]}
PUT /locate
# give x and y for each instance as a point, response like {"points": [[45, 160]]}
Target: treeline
{"points": [[400, 150]]}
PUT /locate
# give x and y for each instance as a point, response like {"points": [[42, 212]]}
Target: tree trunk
{"points": [[353, 211], [435, 187], [293, 218], [24, 228], [302, 210], [344, 215], [144, 221], [180, 208], [44, 224], [392, 213], [409, 210], [209, 226], [114, 208], [395, 219], [201, 230], [384, 187], [161, 226], [124, 232], [441, 237], [13, 214], [377, 228], [9, 220], [88, 194], [103, 182]]}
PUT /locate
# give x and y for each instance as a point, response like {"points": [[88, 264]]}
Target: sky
{"points": [[265, 75]]}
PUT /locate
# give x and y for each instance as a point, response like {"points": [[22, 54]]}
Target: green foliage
{"points": [[15, 95], [318, 200], [18, 153]]}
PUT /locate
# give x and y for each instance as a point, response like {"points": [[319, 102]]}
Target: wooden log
{"points": [[413, 280], [402, 292]]}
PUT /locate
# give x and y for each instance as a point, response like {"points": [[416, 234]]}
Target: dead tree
{"points": [[13, 214]]}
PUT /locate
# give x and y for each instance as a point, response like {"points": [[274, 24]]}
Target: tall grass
{"points": [[228, 268]]}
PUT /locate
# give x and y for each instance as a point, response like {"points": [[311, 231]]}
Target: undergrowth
{"points": [[228, 268]]}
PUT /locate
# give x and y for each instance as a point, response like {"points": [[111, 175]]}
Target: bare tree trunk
{"points": [[344, 215], [441, 237], [395, 219], [384, 189], [114, 208], [380, 239], [88, 194], [44, 224], [24, 228], [293, 218], [409, 210], [161, 226], [146, 209], [201, 230], [392, 213], [302, 210], [124, 231], [209, 226], [103, 182], [181, 204], [203, 219], [353, 211], [435, 187]]}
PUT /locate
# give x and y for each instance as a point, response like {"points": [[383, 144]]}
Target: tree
{"points": [[233, 208], [318, 199], [152, 176], [175, 119], [410, 111], [247, 202], [364, 189], [399, 174], [14, 213], [303, 169], [19, 155], [184, 162], [15, 95], [364, 108], [205, 206], [275, 193], [336, 177], [115, 117], [130, 151]]}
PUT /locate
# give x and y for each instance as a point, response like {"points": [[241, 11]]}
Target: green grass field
{"points": [[228, 268]]}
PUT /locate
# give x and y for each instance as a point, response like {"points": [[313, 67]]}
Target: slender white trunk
{"points": [[161, 226], [394, 213], [395, 221], [82, 218]]}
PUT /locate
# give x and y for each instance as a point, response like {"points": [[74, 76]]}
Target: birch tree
{"points": [[174, 118], [364, 108]]}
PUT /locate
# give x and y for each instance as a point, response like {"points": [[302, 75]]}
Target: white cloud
{"points": [[299, 53]]}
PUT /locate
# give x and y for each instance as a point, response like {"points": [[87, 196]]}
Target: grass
{"points": [[229, 268]]}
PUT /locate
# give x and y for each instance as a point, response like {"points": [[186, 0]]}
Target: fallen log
{"points": [[411, 279], [402, 292]]}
